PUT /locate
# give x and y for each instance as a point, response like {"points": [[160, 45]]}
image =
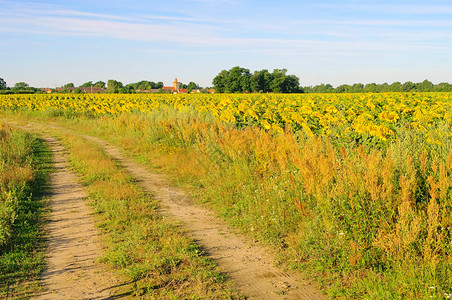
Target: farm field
{"points": [[352, 189]]}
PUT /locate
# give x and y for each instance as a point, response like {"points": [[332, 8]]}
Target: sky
{"points": [[50, 43]]}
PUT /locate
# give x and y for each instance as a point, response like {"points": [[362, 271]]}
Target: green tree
{"points": [[425, 86], [282, 83], [356, 88], [221, 81], [21, 86], [2, 84], [395, 87], [239, 80], [443, 87], [87, 84], [144, 85], [408, 87], [68, 85], [260, 81], [100, 84], [370, 88], [383, 88], [344, 88], [192, 86], [114, 86], [322, 88]]}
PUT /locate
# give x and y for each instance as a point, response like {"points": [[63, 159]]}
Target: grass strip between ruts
{"points": [[143, 245]]}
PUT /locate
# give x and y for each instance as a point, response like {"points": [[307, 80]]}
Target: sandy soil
{"points": [[73, 242]]}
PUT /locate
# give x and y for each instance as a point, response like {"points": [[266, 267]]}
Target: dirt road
{"points": [[249, 265], [73, 240]]}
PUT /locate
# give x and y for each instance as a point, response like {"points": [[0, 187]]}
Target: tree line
{"points": [[111, 86], [114, 86], [240, 80], [424, 86], [18, 88]]}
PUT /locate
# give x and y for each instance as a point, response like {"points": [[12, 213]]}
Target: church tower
{"points": [[176, 85]]}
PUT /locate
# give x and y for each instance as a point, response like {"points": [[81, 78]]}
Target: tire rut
{"points": [[73, 244], [73, 240]]}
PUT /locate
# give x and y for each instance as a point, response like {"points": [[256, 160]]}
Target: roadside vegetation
{"points": [[363, 205], [159, 261], [371, 222], [25, 163]]}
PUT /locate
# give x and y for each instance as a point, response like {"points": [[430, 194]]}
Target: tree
{"points": [[383, 88], [443, 87], [370, 88], [260, 81], [100, 84], [239, 80], [283, 83], [220, 81], [321, 88], [395, 87], [344, 88], [408, 87], [192, 86], [2, 84], [69, 85], [293, 84], [87, 84], [21, 86], [236, 80], [425, 86], [357, 88], [114, 86]]}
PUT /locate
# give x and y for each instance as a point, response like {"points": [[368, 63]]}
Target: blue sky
{"points": [[50, 43]]}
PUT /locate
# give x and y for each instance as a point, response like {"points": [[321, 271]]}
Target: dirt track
{"points": [[73, 244], [249, 265]]}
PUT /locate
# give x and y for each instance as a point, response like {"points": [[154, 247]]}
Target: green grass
{"points": [[22, 254]]}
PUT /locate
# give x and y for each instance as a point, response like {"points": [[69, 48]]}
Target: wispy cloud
{"points": [[55, 20]]}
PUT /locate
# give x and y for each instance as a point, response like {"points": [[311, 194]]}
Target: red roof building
{"points": [[175, 89]]}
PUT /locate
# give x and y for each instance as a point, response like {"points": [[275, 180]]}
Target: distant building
{"points": [[175, 89], [197, 91]]}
